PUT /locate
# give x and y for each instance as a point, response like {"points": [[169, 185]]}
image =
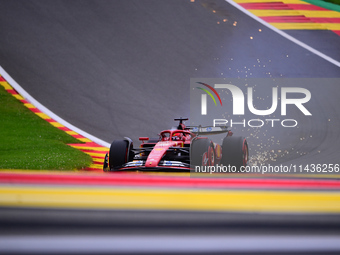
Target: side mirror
{"points": [[143, 139]]}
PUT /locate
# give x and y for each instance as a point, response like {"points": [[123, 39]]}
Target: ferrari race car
{"points": [[179, 149]]}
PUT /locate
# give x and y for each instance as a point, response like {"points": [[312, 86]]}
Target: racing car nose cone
{"points": [[152, 163]]}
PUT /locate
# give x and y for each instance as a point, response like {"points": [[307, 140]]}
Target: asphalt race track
{"points": [[123, 68]]}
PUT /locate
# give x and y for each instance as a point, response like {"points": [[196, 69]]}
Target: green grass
{"points": [[333, 1], [29, 142], [333, 5]]}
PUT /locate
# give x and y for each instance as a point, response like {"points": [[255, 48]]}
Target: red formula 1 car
{"points": [[180, 149]]}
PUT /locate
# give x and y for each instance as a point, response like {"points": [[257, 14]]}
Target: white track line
{"points": [[280, 32], [42, 108]]}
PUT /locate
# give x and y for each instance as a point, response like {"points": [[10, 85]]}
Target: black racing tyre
{"points": [[197, 148], [118, 154], [211, 154], [234, 152], [106, 162]]}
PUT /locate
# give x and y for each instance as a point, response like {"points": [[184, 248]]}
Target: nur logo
{"points": [[204, 97], [239, 99]]}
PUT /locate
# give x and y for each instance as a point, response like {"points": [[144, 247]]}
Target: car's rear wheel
{"points": [[234, 152], [119, 153], [198, 148]]}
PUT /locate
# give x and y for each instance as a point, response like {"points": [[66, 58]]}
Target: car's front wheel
{"points": [[119, 153], [198, 151]]}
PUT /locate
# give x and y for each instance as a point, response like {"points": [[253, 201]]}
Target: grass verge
{"points": [[328, 4], [29, 142], [333, 1]]}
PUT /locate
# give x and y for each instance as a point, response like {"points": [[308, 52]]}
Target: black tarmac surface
{"points": [[122, 68]]}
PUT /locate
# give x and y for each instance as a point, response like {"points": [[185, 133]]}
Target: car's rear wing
{"points": [[199, 130]]}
